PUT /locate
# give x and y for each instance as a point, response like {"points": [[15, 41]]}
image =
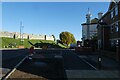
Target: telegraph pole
{"points": [[21, 36], [20, 31]]}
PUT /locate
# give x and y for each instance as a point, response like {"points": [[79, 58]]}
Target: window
{"points": [[117, 42], [116, 10], [101, 20], [112, 43], [116, 27], [112, 14], [112, 28]]}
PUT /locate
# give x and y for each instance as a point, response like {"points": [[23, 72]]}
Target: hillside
{"points": [[14, 43]]}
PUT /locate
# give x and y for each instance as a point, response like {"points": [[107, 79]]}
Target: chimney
{"points": [[100, 15]]}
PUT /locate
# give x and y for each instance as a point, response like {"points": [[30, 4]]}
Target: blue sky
{"points": [[49, 17]]}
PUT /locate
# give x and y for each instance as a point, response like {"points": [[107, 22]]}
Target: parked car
{"points": [[73, 46]]}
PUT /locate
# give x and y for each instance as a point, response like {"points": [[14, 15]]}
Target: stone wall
{"points": [[16, 35]]}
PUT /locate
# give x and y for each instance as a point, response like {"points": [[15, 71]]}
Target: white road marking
{"points": [[87, 62], [13, 70]]}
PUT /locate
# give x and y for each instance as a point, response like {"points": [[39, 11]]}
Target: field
{"points": [[14, 43]]}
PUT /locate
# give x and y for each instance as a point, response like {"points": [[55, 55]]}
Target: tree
{"points": [[94, 37], [45, 37], [95, 20], [54, 37], [14, 36], [28, 37], [67, 38], [73, 39]]}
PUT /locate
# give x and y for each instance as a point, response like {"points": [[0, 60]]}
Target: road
{"points": [[55, 66], [10, 58], [74, 62]]}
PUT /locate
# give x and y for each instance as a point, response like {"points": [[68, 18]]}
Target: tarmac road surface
{"points": [[10, 58]]}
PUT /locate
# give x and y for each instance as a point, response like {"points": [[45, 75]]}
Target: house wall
{"points": [[110, 35], [92, 30]]}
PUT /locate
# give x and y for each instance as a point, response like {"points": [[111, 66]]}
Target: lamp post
{"points": [[99, 60], [99, 54]]}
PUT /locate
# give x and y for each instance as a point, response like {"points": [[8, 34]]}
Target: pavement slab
{"points": [[102, 74], [24, 75]]}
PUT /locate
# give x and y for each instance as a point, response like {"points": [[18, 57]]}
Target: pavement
{"points": [[106, 63], [92, 74]]}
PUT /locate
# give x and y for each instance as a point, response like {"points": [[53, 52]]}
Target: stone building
{"points": [[17, 35]]}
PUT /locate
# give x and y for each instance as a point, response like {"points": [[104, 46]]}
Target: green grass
{"points": [[7, 41], [62, 45]]}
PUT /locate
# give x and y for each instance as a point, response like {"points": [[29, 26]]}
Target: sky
{"points": [[49, 18]]}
